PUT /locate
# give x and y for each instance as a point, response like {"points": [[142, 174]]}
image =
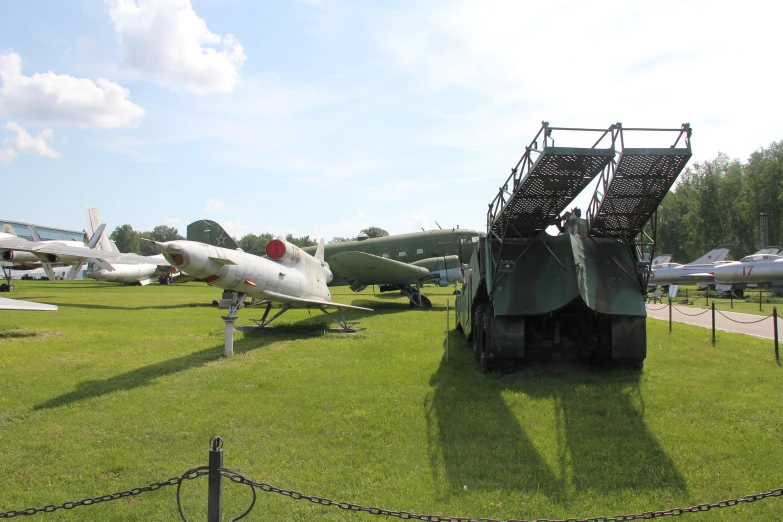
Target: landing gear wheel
{"points": [[739, 294], [3, 287], [11, 288], [426, 304]]}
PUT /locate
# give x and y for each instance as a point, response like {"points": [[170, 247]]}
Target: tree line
{"points": [[129, 240], [718, 203]]}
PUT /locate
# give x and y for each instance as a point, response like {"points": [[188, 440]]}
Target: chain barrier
{"points": [[744, 322], [692, 315], [656, 309], [349, 506], [90, 501]]}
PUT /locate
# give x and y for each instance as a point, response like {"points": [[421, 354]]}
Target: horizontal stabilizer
{"points": [[375, 270], [16, 304], [310, 302], [222, 260]]}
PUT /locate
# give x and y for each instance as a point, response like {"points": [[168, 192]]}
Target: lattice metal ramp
{"points": [[558, 175], [641, 180]]}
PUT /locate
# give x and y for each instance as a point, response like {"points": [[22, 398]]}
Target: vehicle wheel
{"points": [[477, 333], [11, 288], [426, 304], [739, 293], [3, 287], [484, 355]]}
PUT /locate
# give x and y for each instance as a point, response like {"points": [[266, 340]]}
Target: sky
{"points": [[324, 117]]}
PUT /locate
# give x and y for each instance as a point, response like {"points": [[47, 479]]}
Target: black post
{"points": [[707, 295], [686, 296], [731, 298], [713, 322], [759, 300], [670, 314], [775, 318], [215, 499]]}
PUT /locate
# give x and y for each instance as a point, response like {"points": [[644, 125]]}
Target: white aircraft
{"points": [[762, 267], [289, 276], [19, 253], [667, 274], [130, 270]]}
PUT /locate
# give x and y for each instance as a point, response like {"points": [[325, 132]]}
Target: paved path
{"points": [[735, 322]]}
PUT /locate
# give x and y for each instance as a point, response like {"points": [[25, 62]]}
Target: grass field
{"points": [[124, 386]]}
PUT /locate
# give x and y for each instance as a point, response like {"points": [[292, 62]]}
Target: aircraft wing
{"points": [[310, 302], [375, 270], [15, 243], [16, 304]]}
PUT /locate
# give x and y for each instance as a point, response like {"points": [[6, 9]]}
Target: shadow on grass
{"points": [[146, 375], [153, 307], [600, 441]]}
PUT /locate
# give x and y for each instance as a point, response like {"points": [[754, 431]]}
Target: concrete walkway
{"points": [[734, 322]]}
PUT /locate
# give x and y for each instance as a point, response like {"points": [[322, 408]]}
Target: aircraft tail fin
{"points": [[211, 233], [713, 256], [319, 252], [93, 223], [34, 233]]}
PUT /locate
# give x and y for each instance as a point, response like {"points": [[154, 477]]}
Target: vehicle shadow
{"points": [[147, 374], [591, 425]]}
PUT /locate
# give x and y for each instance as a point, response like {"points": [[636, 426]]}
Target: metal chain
{"points": [[692, 315], [656, 309], [743, 322], [348, 506], [173, 481]]}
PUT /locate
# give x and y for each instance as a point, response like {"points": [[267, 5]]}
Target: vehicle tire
{"points": [[426, 304], [3, 287], [477, 333], [11, 288], [484, 355], [739, 294]]}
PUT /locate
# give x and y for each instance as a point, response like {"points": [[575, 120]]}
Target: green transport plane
{"points": [[401, 262]]}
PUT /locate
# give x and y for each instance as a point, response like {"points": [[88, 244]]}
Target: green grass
{"points": [[124, 386]]}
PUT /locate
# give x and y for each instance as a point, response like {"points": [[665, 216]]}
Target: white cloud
{"points": [[416, 220], [235, 228], [215, 204], [51, 98], [23, 143], [360, 214], [167, 41], [172, 221]]}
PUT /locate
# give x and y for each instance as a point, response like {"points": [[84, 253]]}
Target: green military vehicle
{"points": [[578, 295]]}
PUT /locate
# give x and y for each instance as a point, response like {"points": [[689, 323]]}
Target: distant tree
{"points": [[375, 232], [146, 248], [126, 238], [339, 239], [303, 241], [164, 233], [254, 244]]}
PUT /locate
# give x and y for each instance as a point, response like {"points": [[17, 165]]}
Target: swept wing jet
{"points": [[401, 262], [765, 266], [287, 275], [667, 274]]}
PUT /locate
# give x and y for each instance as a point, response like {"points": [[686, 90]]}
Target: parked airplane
{"points": [[288, 275], [16, 253], [130, 270], [667, 274], [762, 267], [401, 262]]}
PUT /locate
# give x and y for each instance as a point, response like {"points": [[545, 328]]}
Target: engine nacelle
{"points": [[283, 252], [19, 257], [446, 269]]}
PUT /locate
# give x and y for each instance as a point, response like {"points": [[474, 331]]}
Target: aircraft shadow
{"points": [[601, 441], [156, 307], [146, 375]]}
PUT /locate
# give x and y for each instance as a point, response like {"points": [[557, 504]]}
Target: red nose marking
{"points": [[275, 249], [209, 279], [249, 282]]}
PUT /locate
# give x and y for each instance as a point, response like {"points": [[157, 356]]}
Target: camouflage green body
{"points": [[210, 233], [419, 248], [567, 293]]}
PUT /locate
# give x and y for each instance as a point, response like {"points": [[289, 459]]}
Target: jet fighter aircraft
{"points": [[287, 275]]}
